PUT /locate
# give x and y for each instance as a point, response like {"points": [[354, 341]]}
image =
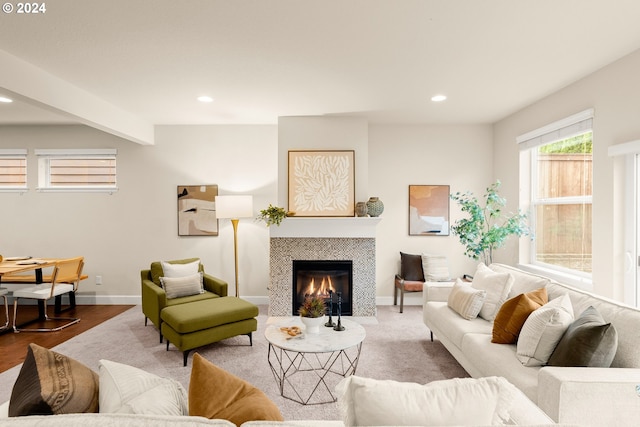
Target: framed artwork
{"points": [[321, 183], [197, 210], [428, 210]]}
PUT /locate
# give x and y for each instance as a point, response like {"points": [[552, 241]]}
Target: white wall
{"points": [[458, 155], [120, 234], [613, 92], [325, 133]]}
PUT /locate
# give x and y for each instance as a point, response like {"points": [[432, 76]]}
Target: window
{"points": [[77, 170], [560, 195], [13, 170]]}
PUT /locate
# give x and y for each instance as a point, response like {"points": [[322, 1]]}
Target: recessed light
{"points": [[5, 99], [205, 98], [438, 98]]}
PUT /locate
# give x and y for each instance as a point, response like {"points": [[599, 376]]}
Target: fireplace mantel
{"points": [[317, 227]]}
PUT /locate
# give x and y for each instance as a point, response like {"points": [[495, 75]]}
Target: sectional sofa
{"points": [[589, 396]]}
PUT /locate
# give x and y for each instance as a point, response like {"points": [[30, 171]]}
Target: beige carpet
{"points": [[397, 347]]}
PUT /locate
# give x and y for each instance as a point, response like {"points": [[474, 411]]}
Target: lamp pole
{"points": [[234, 207], [234, 223]]}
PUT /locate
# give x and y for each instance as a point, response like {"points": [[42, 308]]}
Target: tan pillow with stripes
{"points": [[176, 287], [465, 300]]}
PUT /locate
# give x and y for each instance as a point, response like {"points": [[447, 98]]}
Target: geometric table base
{"points": [[310, 378]]}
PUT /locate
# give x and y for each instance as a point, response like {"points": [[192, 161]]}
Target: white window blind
{"points": [[13, 169], [566, 128], [77, 169]]}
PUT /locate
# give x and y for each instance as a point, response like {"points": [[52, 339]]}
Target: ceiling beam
{"points": [[30, 84]]}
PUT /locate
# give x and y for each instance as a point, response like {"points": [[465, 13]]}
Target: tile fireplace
{"points": [[324, 240]]}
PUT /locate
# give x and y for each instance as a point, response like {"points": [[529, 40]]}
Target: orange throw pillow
{"points": [[513, 314], [216, 394]]}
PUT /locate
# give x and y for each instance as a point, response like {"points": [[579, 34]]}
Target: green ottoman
{"points": [[188, 326]]}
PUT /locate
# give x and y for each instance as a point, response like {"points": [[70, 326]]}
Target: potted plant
{"points": [[487, 227], [274, 215], [312, 313]]}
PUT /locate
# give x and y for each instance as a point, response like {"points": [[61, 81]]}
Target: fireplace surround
{"points": [[323, 239]]}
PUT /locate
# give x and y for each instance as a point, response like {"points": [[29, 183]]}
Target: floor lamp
{"points": [[234, 207]]}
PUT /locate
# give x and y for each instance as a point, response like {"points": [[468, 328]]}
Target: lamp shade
{"points": [[233, 207]]}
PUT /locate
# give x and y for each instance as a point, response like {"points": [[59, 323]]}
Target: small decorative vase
{"points": [[375, 206], [361, 209], [312, 324]]}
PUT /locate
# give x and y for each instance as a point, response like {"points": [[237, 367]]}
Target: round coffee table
{"points": [[307, 367]]}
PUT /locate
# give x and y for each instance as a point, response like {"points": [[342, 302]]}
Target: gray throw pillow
{"points": [[411, 267], [589, 341]]}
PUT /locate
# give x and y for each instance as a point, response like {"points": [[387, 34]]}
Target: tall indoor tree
{"points": [[487, 227]]}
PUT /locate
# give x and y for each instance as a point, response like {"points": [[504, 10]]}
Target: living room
{"points": [[123, 232]]}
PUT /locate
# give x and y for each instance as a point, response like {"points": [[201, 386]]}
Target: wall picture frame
{"points": [[322, 183], [429, 210], [197, 210]]}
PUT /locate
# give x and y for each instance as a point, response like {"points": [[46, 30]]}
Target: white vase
{"points": [[312, 324]]}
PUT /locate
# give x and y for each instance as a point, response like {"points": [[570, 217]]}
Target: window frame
{"points": [[16, 153], [528, 144], [44, 169]]}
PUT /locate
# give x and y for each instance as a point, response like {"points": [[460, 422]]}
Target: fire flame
{"points": [[322, 289]]}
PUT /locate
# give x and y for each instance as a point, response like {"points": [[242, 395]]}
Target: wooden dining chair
{"points": [[64, 279], [3, 294]]}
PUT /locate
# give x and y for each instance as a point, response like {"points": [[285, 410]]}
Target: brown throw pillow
{"points": [[411, 267], [216, 394], [589, 341], [50, 383], [513, 314]]}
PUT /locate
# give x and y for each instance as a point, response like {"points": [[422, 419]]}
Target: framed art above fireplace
{"points": [[321, 183]]}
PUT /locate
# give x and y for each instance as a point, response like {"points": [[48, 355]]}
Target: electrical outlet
{"points": [[98, 280]]}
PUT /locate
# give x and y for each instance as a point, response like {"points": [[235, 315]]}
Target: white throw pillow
{"points": [[435, 268], [459, 401], [128, 390], [465, 300], [176, 287], [543, 330], [179, 270], [497, 286]]}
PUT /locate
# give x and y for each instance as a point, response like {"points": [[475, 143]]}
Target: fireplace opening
{"points": [[317, 277]]}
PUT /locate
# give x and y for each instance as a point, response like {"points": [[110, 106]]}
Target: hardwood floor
{"points": [[13, 347]]}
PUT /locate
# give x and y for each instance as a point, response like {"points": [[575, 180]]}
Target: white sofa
{"points": [[585, 396], [523, 412]]}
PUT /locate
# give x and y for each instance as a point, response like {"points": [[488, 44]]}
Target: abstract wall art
{"points": [[428, 210], [321, 183], [197, 210]]}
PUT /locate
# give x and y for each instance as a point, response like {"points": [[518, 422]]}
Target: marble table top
{"points": [[326, 341]]}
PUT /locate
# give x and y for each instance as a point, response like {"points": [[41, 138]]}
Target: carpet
{"points": [[397, 348]]}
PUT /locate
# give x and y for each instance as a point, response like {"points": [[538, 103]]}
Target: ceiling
{"points": [[381, 60]]}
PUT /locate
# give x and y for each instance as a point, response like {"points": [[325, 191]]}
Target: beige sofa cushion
{"points": [[542, 331], [497, 286], [466, 300], [368, 402]]}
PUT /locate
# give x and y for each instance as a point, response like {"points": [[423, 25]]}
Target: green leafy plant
{"points": [[313, 306], [487, 227], [274, 215]]}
